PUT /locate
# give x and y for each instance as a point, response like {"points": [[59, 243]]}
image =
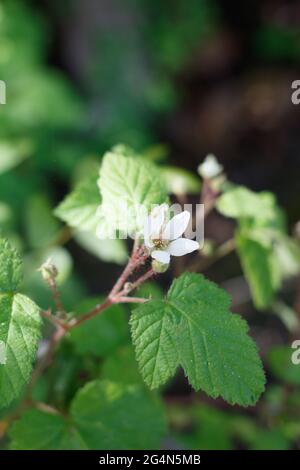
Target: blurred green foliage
{"points": [[50, 137]]}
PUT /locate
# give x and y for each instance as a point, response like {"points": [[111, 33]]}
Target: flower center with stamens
{"points": [[160, 244]]}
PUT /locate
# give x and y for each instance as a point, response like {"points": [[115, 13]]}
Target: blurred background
{"points": [[178, 80]]}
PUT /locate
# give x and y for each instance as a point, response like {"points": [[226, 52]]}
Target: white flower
{"points": [[210, 168], [163, 238]]}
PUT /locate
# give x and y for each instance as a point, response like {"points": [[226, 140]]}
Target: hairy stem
{"points": [[117, 295], [134, 285], [56, 295], [92, 313], [137, 258]]}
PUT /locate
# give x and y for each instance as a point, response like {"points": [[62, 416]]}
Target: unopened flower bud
{"points": [[159, 267], [48, 270], [128, 286], [210, 168]]}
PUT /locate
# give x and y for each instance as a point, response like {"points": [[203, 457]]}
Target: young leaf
{"points": [[240, 202], [19, 327], [103, 415], [194, 328], [265, 251], [129, 186], [179, 181], [79, 208]]}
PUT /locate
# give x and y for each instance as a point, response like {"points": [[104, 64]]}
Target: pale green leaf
{"points": [[80, 208], [240, 202], [179, 181], [129, 186], [108, 250], [287, 252], [194, 328]]}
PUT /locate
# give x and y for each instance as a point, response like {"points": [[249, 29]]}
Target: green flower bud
{"points": [[159, 267]]}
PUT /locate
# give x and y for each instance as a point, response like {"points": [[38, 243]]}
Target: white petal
{"points": [[161, 256], [177, 226], [182, 246], [154, 223]]}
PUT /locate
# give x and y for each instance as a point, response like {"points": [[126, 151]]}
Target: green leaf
{"points": [[194, 328], [19, 335], [41, 226], [273, 439], [79, 208], [258, 263], [266, 252], [37, 430], [280, 361], [264, 249], [19, 327], [13, 153], [129, 186], [112, 416], [103, 416], [180, 181], [150, 290], [10, 267], [287, 253], [108, 250], [240, 202], [121, 366], [103, 333], [211, 430]]}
